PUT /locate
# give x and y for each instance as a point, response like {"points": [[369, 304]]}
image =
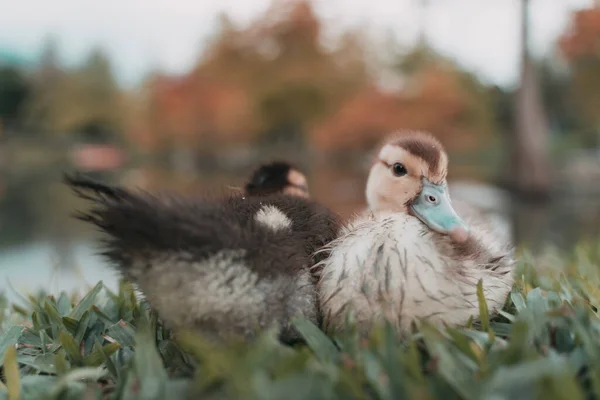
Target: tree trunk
{"points": [[422, 39], [531, 168]]}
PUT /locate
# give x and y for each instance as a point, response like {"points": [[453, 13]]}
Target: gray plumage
{"points": [[229, 266]]}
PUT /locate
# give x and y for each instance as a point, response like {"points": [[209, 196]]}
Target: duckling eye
{"points": [[431, 199], [399, 169]]}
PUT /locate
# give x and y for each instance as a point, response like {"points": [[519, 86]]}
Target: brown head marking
{"points": [[425, 146]]}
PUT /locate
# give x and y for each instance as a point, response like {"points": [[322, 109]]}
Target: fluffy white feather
{"points": [[389, 265]]}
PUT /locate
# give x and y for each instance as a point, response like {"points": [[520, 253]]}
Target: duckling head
{"points": [[409, 176], [278, 177]]}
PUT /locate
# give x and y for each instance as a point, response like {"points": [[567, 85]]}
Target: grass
{"points": [[545, 344]]}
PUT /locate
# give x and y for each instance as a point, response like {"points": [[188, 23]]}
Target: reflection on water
{"points": [[41, 246]]}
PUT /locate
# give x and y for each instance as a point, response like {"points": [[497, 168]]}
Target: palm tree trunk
{"points": [[531, 167]]}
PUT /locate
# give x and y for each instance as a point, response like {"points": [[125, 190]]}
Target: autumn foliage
{"points": [[580, 47], [277, 75], [281, 78], [438, 104], [583, 37]]}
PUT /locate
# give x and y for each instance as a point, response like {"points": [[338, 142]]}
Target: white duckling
{"points": [[412, 257]]}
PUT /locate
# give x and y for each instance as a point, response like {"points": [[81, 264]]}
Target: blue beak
{"points": [[434, 209]]}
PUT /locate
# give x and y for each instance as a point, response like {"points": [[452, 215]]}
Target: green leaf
{"points": [[413, 361], [44, 363], [463, 343], [521, 379], [149, 380], [82, 326], [102, 316], [375, 373], [518, 301], [322, 346], [178, 388], [71, 348], [469, 324], [112, 369], [37, 325], [500, 328], [11, 373], [123, 333], [54, 318], [63, 306], [35, 304], [127, 300], [39, 387], [74, 377], [96, 358], [29, 338], [484, 314], [87, 302], [9, 339], [20, 310], [60, 362], [46, 341], [506, 315], [456, 371], [70, 324]]}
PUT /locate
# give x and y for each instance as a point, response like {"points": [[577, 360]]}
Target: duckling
{"points": [[411, 257], [224, 267], [277, 177]]}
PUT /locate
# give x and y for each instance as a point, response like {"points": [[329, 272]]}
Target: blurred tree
{"points": [[285, 109], [501, 102], [555, 85], [415, 60], [91, 99], [530, 174], [86, 98], [299, 81], [139, 119], [436, 95], [14, 90], [41, 108], [276, 80], [353, 63], [298, 75], [579, 45], [271, 81]]}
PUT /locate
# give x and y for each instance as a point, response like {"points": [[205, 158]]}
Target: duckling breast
{"points": [[389, 266]]}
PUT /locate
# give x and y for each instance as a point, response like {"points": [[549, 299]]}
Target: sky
{"points": [[146, 35]]}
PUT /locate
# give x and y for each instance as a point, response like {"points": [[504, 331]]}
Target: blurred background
{"points": [[190, 96]]}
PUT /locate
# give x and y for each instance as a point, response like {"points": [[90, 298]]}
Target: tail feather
{"points": [[108, 202], [101, 191], [142, 226]]}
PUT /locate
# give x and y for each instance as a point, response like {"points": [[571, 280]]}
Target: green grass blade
{"points": [[11, 373], [87, 302], [9, 338], [71, 348], [96, 358], [484, 314], [322, 346]]}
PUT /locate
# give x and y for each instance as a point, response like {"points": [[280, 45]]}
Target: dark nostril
{"points": [[431, 198]]}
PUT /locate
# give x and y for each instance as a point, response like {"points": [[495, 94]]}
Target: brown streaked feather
{"points": [[470, 249], [422, 145]]}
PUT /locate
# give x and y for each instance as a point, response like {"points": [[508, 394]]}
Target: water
{"points": [[42, 247], [36, 266]]}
